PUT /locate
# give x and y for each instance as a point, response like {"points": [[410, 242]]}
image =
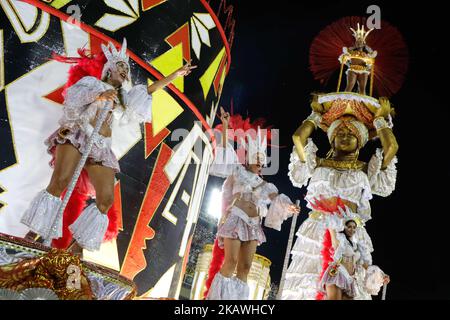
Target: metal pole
{"points": [[80, 166], [288, 252], [383, 297]]}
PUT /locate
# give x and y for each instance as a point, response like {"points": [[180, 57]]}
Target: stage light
{"points": [[215, 204]]}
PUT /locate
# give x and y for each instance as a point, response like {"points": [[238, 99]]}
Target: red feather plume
{"points": [[391, 63], [218, 256], [327, 257]]}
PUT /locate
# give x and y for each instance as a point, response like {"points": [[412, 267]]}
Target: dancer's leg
{"points": [[231, 248], [66, 160], [362, 82], [102, 178], [90, 228], [351, 81], [248, 250], [334, 292]]}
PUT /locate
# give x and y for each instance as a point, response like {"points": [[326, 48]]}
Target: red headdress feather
{"points": [[391, 63]]}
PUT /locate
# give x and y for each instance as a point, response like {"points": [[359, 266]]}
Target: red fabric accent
{"points": [[218, 255], [327, 257], [391, 63], [328, 206]]}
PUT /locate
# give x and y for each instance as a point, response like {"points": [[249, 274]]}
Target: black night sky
{"points": [[270, 78]]}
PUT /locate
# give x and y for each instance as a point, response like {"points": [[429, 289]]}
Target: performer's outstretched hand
{"points": [[294, 209], [224, 116], [386, 279], [109, 95], [185, 70]]}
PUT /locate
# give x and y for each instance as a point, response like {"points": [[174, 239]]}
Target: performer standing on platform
{"points": [[360, 59], [83, 100], [339, 187], [245, 199]]}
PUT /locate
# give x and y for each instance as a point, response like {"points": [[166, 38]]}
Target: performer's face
{"points": [[345, 141], [350, 228], [255, 168], [359, 43], [120, 74]]}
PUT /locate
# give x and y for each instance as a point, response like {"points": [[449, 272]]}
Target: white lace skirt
{"points": [[339, 276], [239, 225], [101, 150]]}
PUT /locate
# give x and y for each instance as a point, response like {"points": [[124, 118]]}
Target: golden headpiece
{"points": [[360, 33]]}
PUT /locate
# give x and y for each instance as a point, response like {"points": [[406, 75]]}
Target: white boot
{"points": [[42, 215], [90, 228], [223, 288]]}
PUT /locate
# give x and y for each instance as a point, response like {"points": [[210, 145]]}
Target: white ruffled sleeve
{"points": [[366, 256], [300, 172], [374, 280], [382, 182], [79, 95], [227, 197], [344, 53], [278, 212], [138, 106], [225, 162], [339, 251]]}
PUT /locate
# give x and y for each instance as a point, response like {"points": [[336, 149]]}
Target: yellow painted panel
{"points": [[165, 109], [170, 61], [207, 78]]}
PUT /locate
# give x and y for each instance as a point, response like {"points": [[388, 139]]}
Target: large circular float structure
{"points": [[164, 164]]}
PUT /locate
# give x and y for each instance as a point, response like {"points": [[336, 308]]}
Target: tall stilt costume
{"points": [[85, 84], [242, 184], [340, 186]]}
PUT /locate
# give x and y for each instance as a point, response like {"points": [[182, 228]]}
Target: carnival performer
{"points": [[245, 199], [359, 59], [83, 101], [339, 281], [339, 186]]}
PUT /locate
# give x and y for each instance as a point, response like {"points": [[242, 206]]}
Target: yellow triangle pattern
{"points": [[58, 4], [165, 109], [170, 61], [207, 78]]}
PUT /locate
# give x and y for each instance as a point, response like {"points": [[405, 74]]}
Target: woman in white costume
{"points": [[351, 272], [245, 199], [339, 179], [83, 101]]}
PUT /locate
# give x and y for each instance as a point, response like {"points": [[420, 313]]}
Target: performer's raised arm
{"points": [[387, 138], [160, 84], [305, 130]]}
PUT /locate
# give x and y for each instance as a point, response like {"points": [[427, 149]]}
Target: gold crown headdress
{"points": [[360, 33]]}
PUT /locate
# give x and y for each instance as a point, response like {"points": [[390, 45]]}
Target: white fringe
{"points": [[223, 288], [42, 214], [90, 228]]}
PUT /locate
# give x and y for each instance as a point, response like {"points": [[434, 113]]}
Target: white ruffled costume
{"points": [[80, 108], [235, 223], [362, 283], [356, 186]]}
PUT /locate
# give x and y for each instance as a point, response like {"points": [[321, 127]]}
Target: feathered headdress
{"points": [[114, 56]]}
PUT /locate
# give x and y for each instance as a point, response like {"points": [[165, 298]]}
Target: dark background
{"points": [[270, 77]]}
